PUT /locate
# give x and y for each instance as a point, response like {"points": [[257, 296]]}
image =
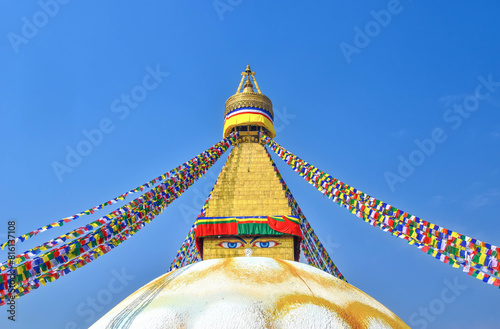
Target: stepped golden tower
{"points": [[249, 236]]}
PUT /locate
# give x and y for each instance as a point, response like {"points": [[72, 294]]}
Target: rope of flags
{"points": [[188, 253], [139, 212], [119, 225], [314, 251], [181, 171], [478, 259], [94, 209]]}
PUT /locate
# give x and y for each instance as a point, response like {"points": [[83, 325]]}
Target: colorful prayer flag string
{"points": [[312, 247], [187, 169], [51, 265], [479, 259], [188, 253], [94, 209]]}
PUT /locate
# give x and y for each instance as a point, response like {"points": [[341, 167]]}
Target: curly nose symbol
{"points": [[248, 252]]}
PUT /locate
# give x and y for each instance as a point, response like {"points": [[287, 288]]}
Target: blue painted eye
{"points": [[230, 245], [264, 244], [267, 244]]}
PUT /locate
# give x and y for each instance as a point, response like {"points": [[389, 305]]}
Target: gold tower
{"points": [[248, 212]]}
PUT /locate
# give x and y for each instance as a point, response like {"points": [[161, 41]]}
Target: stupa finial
{"points": [[248, 73], [247, 111], [248, 87]]}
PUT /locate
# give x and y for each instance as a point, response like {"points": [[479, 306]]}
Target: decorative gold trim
{"points": [[249, 100]]}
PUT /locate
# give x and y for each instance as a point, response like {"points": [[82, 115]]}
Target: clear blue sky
{"points": [[352, 103]]}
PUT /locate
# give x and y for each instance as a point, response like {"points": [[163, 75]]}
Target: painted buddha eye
{"points": [[230, 245], [266, 244]]}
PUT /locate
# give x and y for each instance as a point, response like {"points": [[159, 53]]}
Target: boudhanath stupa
{"points": [[248, 239]]}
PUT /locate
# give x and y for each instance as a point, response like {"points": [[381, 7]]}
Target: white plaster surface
{"points": [[248, 292]]}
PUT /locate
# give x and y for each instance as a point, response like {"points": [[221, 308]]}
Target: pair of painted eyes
{"points": [[258, 244]]}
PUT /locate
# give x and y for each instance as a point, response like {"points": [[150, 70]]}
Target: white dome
{"points": [[248, 293]]}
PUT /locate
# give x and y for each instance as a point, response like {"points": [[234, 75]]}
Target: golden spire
{"points": [[248, 73], [248, 87]]}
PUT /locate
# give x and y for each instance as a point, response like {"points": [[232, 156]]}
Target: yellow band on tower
{"points": [[254, 119]]}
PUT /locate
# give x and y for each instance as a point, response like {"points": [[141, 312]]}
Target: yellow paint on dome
{"points": [[249, 293]]}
